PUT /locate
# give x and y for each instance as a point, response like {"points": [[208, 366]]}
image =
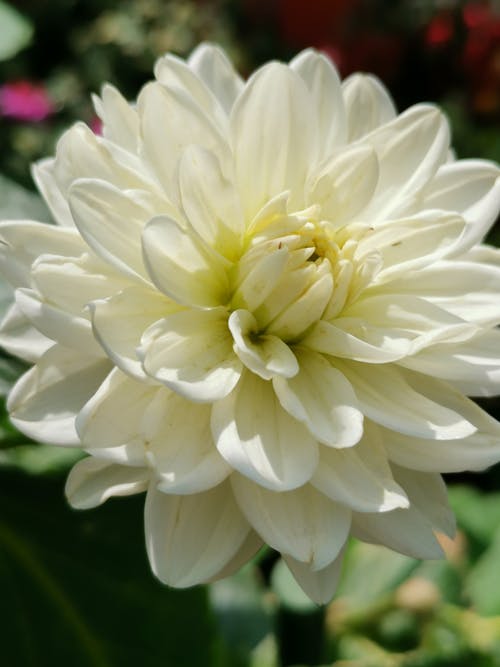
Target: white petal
{"points": [[187, 124], [260, 280], [386, 397], [113, 415], [359, 477], [45, 401], [265, 355], [473, 366], [344, 184], [213, 67], [20, 338], [403, 530], [427, 493], [120, 120], [191, 352], [180, 446], [272, 137], [111, 222], [412, 243], [320, 397], [66, 328], [182, 265], [471, 187], [91, 482], [410, 149], [368, 104], [139, 307], [248, 550], [23, 242], [325, 98], [43, 175], [302, 523], [319, 585], [257, 437], [189, 539], [210, 201]]}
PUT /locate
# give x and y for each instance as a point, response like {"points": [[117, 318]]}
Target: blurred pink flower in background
{"points": [[25, 101]]}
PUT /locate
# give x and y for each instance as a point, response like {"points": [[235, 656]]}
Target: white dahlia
{"points": [[263, 303]]}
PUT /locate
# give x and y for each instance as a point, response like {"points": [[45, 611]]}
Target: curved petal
{"points": [[91, 482], [325, 98], [257, 437], [302, 523], [359, 477], [272, 137], [319, 585], [191, 352], [248, 550], [410, 148], [210, 201], [403, 530], [320, 397], [182, 265], [120, 120], [139, 307], [427, 493], [368, 104], [43, 175], [111, 222], [386, 397], [265, 355], [113, 415], [180, 446], [44, 402], [20, 338], [210, 63], [190, 538]]}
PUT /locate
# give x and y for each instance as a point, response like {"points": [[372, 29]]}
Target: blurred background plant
{"points": [[76, 588]]}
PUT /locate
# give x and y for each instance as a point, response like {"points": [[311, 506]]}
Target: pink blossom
{"points": [[25, 101]]}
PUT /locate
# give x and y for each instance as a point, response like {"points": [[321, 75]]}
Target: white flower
{"points": [[263, 302]]}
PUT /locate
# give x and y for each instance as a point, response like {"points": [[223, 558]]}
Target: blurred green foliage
{"points": [[76, 587]]}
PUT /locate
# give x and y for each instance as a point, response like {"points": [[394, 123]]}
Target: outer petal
{"points": [[139, 307], [403, 530], [91, 482], [319, 585], [471, 187], [191, 538], [302, 523], [427, 492], [182, 265], [410, 149], [43, 175], [248, 550], [111, 222], [45, 401], [368, 104], [213, 67], [272, 137], [20, 338], [191, 352], [386, 397], [257, 437], [360, 477], [120, 120], [323, 83], [320, 397], [180, 446]]}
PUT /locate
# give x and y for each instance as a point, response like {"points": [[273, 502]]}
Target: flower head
{"points": [[263, 302]]}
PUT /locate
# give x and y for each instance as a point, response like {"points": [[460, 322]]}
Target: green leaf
{"points": [[483, 583], [15, 31], [243, 616], [17, 203], [77, 589], [478, 514]]}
